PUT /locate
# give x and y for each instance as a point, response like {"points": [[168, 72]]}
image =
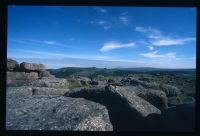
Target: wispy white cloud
{"points": [[116, 45], [39, 42], [101, 10], [103, 23], [58, 60], [49, 42], [164, 41], [21, 53], [154, 54], [124, 19], [140, 29], [157, 38], [150, 47]]}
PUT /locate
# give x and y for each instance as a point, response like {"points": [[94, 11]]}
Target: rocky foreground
{"points": [[36, 100]]}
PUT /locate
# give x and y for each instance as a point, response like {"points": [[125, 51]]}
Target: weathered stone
{"points": [[12, 65], [20, 78], [48, 91], [55, 113], [31, 66], [128, 97], [168, 89], [19, 91], [140, 105], [15, 78], [156, 97], [127, 111], [45, 73], [32, 76], [53, 83]]}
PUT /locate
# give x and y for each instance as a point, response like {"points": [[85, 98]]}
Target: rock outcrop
{"points": [[12, 64], [55, 113], [127, 111], [129, 97], [18, 75], [31, 66], [143, 107]]}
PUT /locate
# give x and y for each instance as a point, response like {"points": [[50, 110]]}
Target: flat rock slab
{"points": [[48, 91], [29, 90], [55, 113], [53, 83], [19, 91]]}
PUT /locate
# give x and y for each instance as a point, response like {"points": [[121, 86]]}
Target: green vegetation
{"points": [[73, 84]]}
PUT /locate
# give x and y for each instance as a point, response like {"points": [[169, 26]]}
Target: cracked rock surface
{"points": [[55, 113]]}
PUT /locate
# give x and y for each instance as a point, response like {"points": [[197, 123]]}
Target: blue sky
{"points": [[112, 37]]}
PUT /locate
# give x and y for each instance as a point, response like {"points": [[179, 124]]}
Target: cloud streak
{"points": [[140, 29], [163, 41], [150, 48], [115, 45], [101, 10], [39, 42], [156, 38], [124, 20], [154, 54], [21, 53], [102, 23]]}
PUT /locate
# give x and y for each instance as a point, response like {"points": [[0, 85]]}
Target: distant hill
{"points": [[93, 71]]}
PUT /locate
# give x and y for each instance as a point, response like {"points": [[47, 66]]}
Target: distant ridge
{"points": [[68, 71]]}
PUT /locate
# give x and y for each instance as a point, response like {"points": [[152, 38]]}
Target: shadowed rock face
{"points": [[126, 109], [180, 118], [156, 97], [126, 116], [55, 113]]}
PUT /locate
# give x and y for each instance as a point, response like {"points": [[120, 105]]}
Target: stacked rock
{"points": [[19, 74]]}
